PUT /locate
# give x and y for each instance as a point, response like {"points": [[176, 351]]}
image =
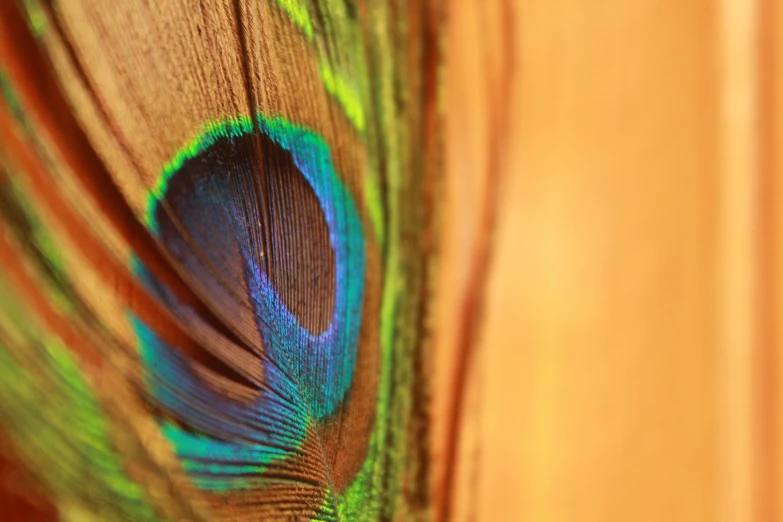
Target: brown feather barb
{"points": [[217, 242]]}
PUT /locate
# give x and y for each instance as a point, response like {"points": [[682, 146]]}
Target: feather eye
{"points": [[297, 261], [238, 208]]}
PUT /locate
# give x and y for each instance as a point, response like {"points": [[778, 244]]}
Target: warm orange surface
{"points": [[600, 387], [622, 371]]}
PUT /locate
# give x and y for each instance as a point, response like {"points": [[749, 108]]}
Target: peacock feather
{"points": [[216, 241]]}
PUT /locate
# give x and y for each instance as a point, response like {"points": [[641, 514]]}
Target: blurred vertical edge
{"points": [[771, 44], [628, 357], [479, 82], [749, 254], [769, 49]]}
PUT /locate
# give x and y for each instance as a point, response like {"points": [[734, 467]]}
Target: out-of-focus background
{"points": [[629, 357]]}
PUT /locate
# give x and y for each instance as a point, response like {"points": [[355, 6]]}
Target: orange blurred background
{"points": [[627, 363]]}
